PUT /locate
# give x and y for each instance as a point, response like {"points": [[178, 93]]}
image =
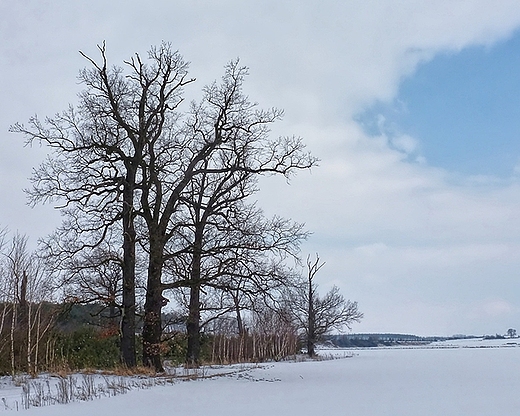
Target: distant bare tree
{"points": [[315, 315]]}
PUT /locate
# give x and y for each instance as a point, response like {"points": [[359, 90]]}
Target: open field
{"points": [[450, 378]]}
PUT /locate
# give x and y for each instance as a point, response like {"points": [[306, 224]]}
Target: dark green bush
{"points": [[175, 347], [88, 348]]}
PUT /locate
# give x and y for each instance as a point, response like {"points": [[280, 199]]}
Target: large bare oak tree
{"points": [[127, 165], [98, 150]]}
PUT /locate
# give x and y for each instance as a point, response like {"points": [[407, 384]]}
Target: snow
{"points": [[456, 378]]}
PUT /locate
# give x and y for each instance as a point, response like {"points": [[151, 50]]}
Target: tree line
{"points": [[156, 198]]}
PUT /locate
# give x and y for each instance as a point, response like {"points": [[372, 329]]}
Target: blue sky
{"points": [[462, 107]]}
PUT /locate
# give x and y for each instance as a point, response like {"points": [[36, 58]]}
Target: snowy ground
{"points": [[450, 378]]}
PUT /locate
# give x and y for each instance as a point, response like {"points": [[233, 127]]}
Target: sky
{"points": [[412, 108]]}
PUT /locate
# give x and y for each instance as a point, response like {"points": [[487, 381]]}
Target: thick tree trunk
{"points": [[240, 322], [193, 327], [128, 293], [152, 328], [193, 324]]}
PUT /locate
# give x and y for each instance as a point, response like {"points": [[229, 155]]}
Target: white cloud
{"points": [[405, 143], [497, 307]]}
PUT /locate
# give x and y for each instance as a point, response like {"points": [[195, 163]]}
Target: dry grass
{"points": [[134, 371]]}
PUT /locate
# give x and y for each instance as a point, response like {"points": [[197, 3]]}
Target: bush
{"points": [[175, 347], [88, 348]]}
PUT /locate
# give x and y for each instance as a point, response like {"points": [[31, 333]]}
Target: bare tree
{"points": [[242, 261], [86, 276], [27, 312], [39, 311], [268, 334], [98, 151], [316, 316], [194, 204], [127, 156]]}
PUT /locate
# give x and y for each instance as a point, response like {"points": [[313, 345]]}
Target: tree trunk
{"points": [[22, 316], [2, 322], [193, 324], [240, 322], [29, 340], [193, 327], [152, 328], [311, 335], [128, 293], [38, 336], [13, 324]]}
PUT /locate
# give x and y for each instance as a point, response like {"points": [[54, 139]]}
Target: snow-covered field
{"points": [[450, 378]]}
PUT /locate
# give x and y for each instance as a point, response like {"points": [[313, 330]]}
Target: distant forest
{"points": [[378, 340]]}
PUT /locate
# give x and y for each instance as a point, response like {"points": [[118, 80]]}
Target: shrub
{"points": [[88, 348]]}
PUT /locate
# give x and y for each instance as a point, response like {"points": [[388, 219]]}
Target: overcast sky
{"points": [[413, 108]]}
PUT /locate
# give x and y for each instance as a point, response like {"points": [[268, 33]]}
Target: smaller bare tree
{"points": [[27, 312], [317, 316]]}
